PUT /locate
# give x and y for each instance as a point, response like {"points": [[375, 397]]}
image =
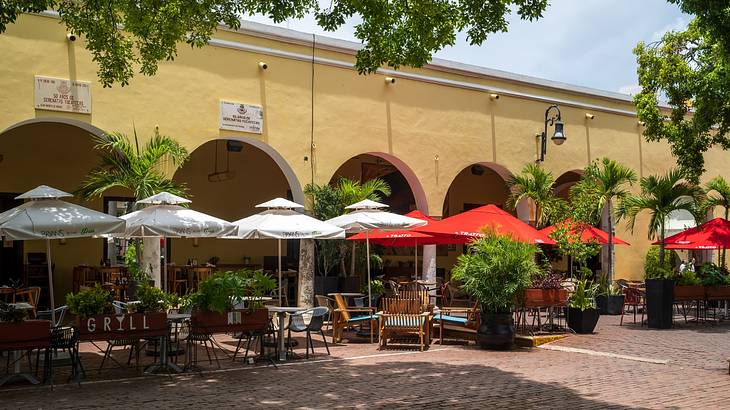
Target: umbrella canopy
{"points": [[368, 215], [470, 224], [402, 238], [281, 221], [589, 233], [44, 216], [714, 234]]}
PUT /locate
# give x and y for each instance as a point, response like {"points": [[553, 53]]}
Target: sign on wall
{"points": [[57, 94], [242, 117]]}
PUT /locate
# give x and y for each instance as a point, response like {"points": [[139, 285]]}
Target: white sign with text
{"points": [[242, 117], [58, 94]]}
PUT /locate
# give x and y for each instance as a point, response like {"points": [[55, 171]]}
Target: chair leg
{"points": [[210, 360], [107, 353], [238, 345], [324, 339], [215, 355], [623, 310], [307, 343]]}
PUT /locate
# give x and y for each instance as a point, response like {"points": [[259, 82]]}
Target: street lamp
{"points": [[558, 136]]}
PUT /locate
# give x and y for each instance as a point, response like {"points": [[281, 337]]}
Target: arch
{"points": [[477, 169], [294, 185], [419, 195], [91, 129], [566, 180]]}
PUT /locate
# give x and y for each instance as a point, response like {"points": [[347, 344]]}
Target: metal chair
{"points": [[329, 303], [633, 297], [48, 315], [298, 325], [120, 308], [64, 338]]}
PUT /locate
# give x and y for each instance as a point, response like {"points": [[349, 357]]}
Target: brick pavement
{"points": [[358, 376]]}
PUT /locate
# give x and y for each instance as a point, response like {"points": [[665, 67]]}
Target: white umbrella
{"points": [[165, 218], [44, 216], [281, 221], [368, 215]]}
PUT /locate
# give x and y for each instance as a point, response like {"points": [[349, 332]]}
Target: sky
{"points": [[581, 42]]}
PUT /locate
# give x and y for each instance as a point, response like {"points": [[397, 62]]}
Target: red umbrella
{"points": [[714, 234], [407, 237], [470, 224], [589, 233]]}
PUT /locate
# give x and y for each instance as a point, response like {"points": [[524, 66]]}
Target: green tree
{"points": [[536, 184], [660, 196], [717, 194], [139, 171], [122, 34], [687, 70], [609, 182]]}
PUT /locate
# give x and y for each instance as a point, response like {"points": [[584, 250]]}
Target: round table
{"points": [[281, 312]]}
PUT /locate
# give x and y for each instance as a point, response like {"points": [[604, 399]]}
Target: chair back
{"points": [[421, 295], [29, 295], [394, 287], [48, 315], [120, 308], [632, 296], [317, 320], [401, 314], [401, 306], [64, 338], [297, 322], [342, 307], [325, 301]]}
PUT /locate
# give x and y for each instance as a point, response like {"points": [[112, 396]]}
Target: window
{"points": [[115, 248]]}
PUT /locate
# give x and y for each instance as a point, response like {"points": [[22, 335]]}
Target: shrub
{"points": [[713, 275], [90, 302], [583, 297], [219, 292], [151, 299], [652, 269], [377, 287]]}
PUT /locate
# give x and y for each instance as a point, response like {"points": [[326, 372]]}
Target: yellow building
{"points": [[445, 136]]}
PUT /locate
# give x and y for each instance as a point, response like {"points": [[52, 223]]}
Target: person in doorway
{"points": [[682, 267], [691, 265]]}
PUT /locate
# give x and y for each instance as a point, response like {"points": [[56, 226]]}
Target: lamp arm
{"points": [[548, 121]]}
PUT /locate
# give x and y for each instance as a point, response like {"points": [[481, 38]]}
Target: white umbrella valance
{"points": [[174, 221]]}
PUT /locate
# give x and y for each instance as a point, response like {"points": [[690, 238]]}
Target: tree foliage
{"points": [[122, 34], [536, 184], [689, 71]]}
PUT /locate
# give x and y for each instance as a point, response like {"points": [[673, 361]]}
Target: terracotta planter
{"points": [[535, 297], [718, 292], [244, 320], [127, 326], [28, 334], [689, 292]]}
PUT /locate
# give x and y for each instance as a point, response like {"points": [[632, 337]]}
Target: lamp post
{"points": [[558, 136]]}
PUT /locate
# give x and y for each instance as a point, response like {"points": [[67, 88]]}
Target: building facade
{"points": [[446, 136]]}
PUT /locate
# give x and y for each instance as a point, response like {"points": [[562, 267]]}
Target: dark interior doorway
{"points": [[11, 252]]}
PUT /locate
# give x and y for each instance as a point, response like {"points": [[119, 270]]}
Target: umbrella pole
{"points": [[367, 248], [164, 265], [50, 282], [415, 273], [279, 242]]}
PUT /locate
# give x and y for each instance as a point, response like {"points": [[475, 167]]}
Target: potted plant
{"points": [[213, 304], [582, 312], [716, 281], [546, 290], [495, 270], [137, 275], [377, 290], [97, 320], [16, 331], [659, 290], [609, 298], [688, 287]]}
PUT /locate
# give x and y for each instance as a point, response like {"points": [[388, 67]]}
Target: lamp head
{"points": [[558, 137]]}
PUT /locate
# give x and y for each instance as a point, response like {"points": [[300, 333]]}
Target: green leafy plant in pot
{"points": [[377, 289], [610, 297], [137, 275], [495, 270], [90, 302], [582, 312]]}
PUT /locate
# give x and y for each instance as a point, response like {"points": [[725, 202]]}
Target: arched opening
{"points": [[474, 186], [406, 195], [57, 152], [227, 178], [565, 182]]}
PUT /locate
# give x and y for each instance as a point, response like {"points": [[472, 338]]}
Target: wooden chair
{"points": [[403, 317], [342, 318], [29, 295], [458, 319], [176, 281], [329, 303], [633, 297], [197, 275]]}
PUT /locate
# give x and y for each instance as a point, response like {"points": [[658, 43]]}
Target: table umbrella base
{"points": [[19, 377]]}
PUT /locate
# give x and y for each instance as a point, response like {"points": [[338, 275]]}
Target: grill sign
{"points": [[57, 94]]}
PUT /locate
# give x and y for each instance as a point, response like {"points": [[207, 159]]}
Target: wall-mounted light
{"points": [[641, 123], [436, 157], [590, 116], [263, 65], [494, 96], [71, 37], [558, 137], [389, 80]]}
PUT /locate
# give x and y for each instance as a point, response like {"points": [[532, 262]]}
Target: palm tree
{"points": [[608, 182], [351, 191], [660, 196], [536, 184], [717, 194], [142, 172]]}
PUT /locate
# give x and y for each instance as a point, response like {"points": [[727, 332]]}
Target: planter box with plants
{"points": [[688, 287], [16, 333], [716, 281], [546, 290], [582, 312], [213, 304], [495, 270], [97, 320], [609, 298]]}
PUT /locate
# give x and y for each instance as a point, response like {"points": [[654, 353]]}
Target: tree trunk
{"points": [[306, 273], [151, 259], [352, 259], [661, 245], [723, 251], [610, 241]]}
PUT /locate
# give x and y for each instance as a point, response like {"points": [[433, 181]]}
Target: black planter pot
{"points": [[610, 305], [496, 331], [582, 321], [659, 299]]}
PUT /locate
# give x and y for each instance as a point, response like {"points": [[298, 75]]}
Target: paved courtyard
{"points": [[618, 367]]}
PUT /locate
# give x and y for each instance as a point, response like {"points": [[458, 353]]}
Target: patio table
{"points": [[281, 312], [17, 355], [164, 347]]}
